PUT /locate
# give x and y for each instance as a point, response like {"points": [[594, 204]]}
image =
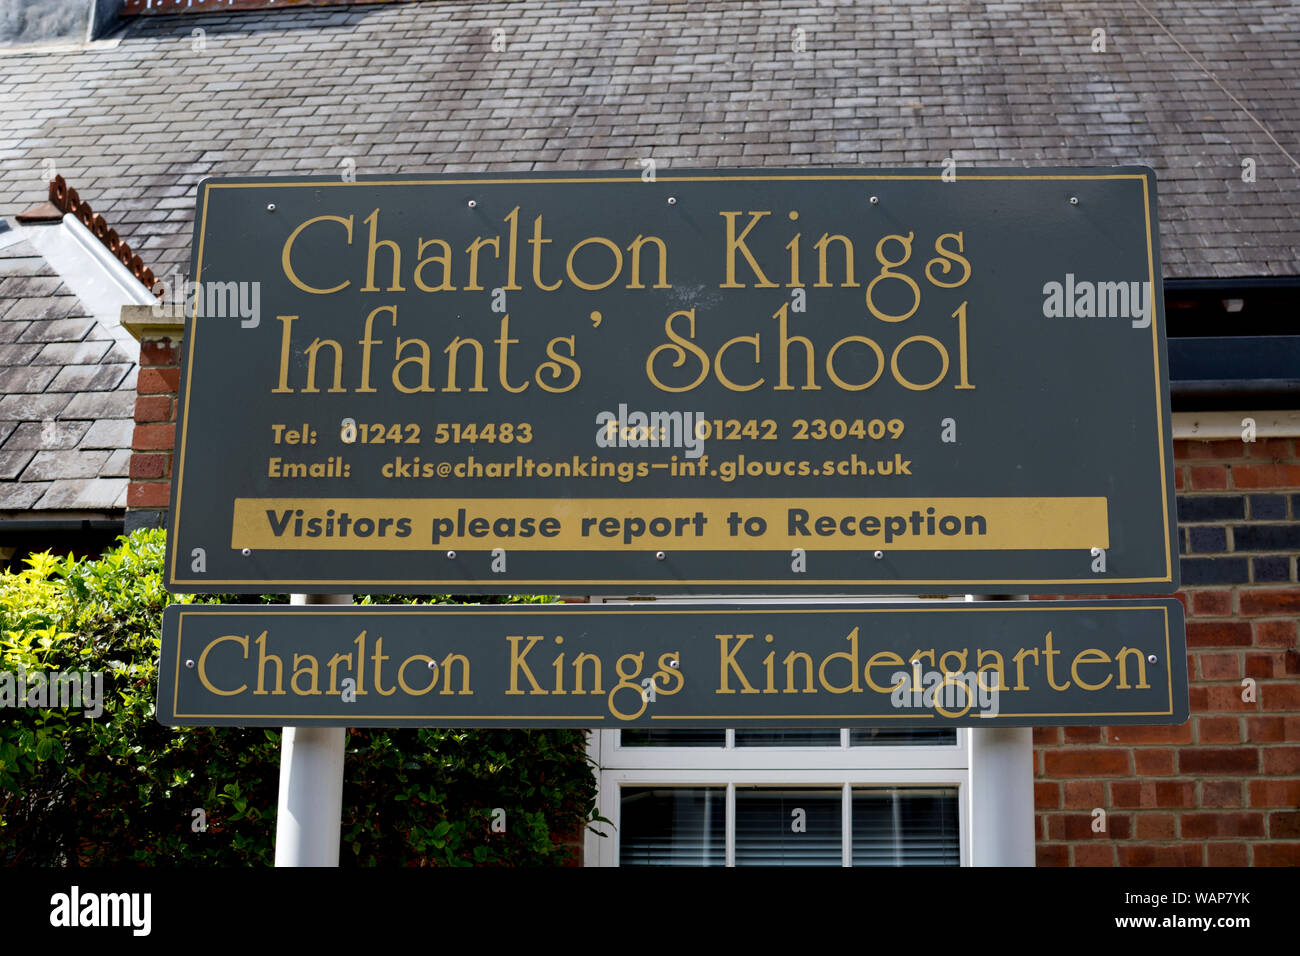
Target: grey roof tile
{"points": [[88, 378], [89, 494], [10, 331], [31, 287], [33, 408], [118, 464], [55, 465], [18, 354], [38, 307], [25, 263], [72, 353], [119, 404], [111, 433], [57, 330], [119, 354], [26, 379], [21, 495], [47, 434], [12, 462]]}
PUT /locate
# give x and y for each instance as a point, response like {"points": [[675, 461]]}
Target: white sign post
{"points": [[311, 784], [1002, 791]]}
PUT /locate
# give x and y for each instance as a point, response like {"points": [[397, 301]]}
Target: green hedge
{"points": [[122, 789]]}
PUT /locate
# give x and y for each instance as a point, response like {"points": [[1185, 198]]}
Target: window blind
{"points": [[903, 737], [891, 826], [789, 827], [673, 826], [672, 738], [787, 738], [906, 827]]}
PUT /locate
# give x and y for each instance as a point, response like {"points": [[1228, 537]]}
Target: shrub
{"points": [[123, 789]]}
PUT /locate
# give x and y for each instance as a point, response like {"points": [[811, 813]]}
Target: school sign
{"points": [[590, 666], [723, 381]]}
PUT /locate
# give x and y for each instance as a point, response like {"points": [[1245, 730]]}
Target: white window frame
{"points": [[776, 767], [769, 769]]}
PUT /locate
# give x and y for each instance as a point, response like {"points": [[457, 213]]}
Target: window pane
{"points": [[673, 826], [788, 828], [906, 827], [787, 738], [903, 737], [672, 738]]}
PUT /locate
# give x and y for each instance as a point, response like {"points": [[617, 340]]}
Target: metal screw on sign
{"points": [[879, 555], [472, 203], [875, 200], [270, 207], [246, 552], [451, 554], [190, 664], [1151, 659], [1074, 200], [672, 200]]}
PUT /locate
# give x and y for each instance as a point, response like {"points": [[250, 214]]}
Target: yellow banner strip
{"points": [[691, 524]]}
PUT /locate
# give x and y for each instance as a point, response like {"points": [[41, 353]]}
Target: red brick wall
{"points": [[155, 425], [1224, 788]]}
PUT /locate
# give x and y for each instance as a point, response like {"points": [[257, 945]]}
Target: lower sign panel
{"points": [[925, 664]]}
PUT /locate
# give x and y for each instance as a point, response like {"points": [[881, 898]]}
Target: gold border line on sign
{"points": [[178, 477], [479, 610], [176, 689], [993, 721], [192, 333], [506, 610], [299, 585], [1155, 364], [1169, 656], [447, 717], [936, 177]]}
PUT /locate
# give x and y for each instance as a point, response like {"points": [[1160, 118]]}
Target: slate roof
{"points": [[1191, 88], [134, 123], [67, 393]]}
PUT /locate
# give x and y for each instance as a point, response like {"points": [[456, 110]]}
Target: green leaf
{"points": [[126, 786], [45, 747]]}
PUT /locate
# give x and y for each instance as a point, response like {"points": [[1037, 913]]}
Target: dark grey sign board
{"points": [[925, 664], [712, 381]]}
